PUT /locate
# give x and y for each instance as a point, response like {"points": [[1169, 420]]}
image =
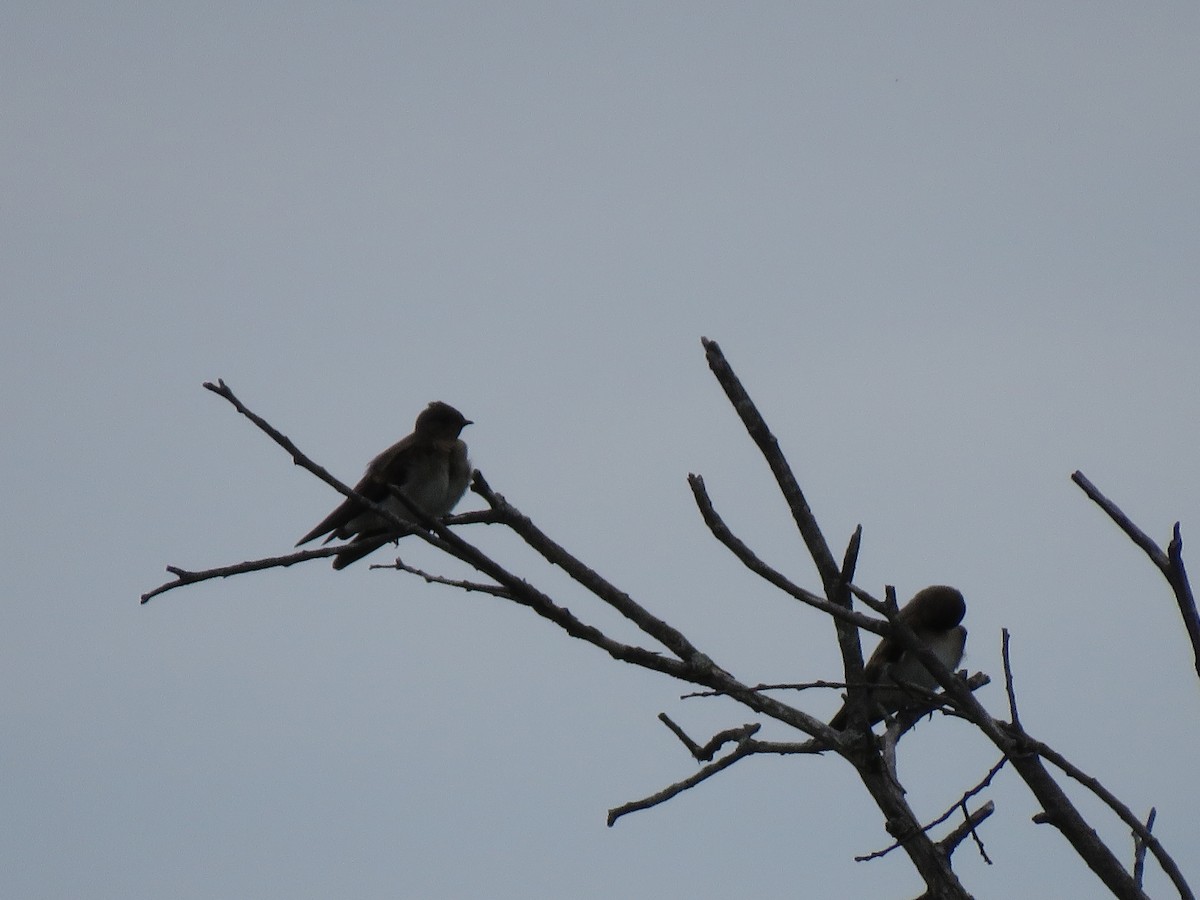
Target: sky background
{"points": [[950, 248]]}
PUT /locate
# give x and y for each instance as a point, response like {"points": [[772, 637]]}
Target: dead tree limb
{"points": [[681, 659], [1169, 562]]}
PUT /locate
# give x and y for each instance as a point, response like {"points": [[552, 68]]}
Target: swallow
{"points": [[934, 614], [429, 468]]}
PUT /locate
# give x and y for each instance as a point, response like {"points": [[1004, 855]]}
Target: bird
{"points": [[934, 614], [429, 468]]}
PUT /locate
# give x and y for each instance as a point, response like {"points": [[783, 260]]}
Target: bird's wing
{"points": [[343, 559], [389, 469], [885, 654], [890, 651], [394, 465]]}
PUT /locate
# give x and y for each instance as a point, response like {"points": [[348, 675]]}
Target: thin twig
{"points": [[960, 804], [797, 686], [430, 578], [969, 826], [967, 795], [187, 576], [1139, 849], [1008, 680], [746, 747]]}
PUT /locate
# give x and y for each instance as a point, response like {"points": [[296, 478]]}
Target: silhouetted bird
{"points": [[934, 614], [429, 468]]}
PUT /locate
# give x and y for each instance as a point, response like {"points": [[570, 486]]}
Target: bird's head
{"points": [[938, 608], [441, 420]]}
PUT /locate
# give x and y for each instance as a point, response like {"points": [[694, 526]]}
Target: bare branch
{"points": [[798, 686], [679, 787], [1135, 534], [1169, 563], [1123, 812], [185, 576], [300, 459], [474, 517], [554, 553], [746, 747], [748, 558], [468, 586], [757, 428]]}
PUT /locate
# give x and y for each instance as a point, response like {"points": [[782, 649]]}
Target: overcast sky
{"points": [[951, 249]]}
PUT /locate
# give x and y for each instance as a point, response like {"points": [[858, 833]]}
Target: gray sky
{"points": [[951, 249]]}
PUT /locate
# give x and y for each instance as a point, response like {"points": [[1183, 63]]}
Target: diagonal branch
{"points": [[557, 555], [446, 540], [1123, 812], [1169, 563], [746, 746], [750, 560], [221, 389], [674, 790], [757, 428]]}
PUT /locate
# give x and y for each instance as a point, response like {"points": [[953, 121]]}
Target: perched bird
{"points": [[934, 614], [429, 468]]}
